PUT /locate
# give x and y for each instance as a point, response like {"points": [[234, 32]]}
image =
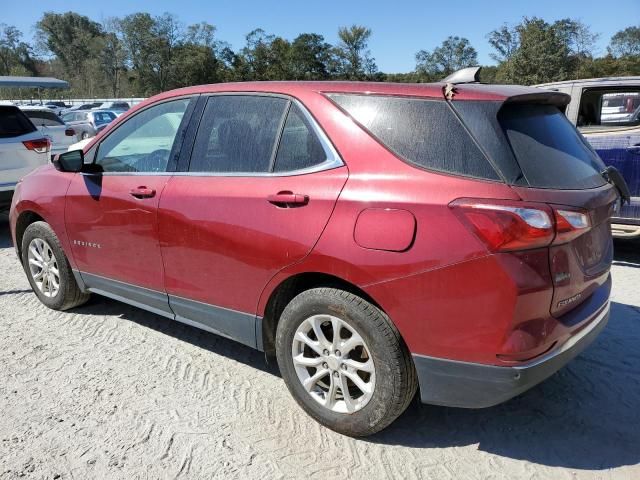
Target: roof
{"points": [[32, 82], [433, 90], [601, 82]]}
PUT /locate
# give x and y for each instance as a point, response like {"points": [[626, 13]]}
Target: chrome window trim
{"points": [[333, 157]]}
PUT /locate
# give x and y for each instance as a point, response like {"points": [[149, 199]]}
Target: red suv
{"points": [[374, 238]]}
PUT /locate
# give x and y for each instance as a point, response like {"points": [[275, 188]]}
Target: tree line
{"points": [[141, 54]]}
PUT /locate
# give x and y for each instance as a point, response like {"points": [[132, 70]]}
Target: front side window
{"points": [[144, 142], [238, 133]]}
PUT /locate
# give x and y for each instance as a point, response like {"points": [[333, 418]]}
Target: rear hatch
{"points": [[547, 161], [53, 127]]}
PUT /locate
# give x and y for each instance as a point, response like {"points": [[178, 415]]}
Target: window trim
{"points": [[333, 158], [91, 156]]}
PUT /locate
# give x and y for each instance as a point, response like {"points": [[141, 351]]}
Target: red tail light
{"points": [[570, 224], [40, 145], [507, 226], [69, 132]]}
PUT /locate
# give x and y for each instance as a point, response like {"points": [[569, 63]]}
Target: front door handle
{"points": [[142, 192], [286, 199]]}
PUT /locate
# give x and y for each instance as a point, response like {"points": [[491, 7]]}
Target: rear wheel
{"points": [[85, 135], [344, 361], [48, 269]]}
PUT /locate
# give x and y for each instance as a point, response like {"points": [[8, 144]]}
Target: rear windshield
{"points": [[425, 133], [43, 117], [13, 122], [548, 148]]}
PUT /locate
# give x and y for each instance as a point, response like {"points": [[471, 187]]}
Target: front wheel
{"points": [[344, 361], [48, 269]]}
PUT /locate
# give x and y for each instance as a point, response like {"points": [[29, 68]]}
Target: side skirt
{"points": [[238, 326]]}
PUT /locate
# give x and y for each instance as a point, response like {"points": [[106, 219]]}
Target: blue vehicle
{"points": [[607, 112]]}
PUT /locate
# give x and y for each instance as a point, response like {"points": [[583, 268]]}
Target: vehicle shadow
{"points": [[5, 234], [586, 416]]}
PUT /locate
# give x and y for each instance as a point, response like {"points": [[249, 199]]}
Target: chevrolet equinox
{"points": [[376, 239]]}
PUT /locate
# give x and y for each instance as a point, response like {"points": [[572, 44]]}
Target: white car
{"points": [[51, 125], [22, 149]]}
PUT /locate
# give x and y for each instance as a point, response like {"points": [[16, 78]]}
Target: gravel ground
{"points": [[110, 391]]}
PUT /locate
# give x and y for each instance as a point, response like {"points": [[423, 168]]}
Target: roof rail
{"points": [[464, 75]]}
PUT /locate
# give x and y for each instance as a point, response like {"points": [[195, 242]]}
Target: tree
{"points": [[354, 58], [543, 55], [505, 41], [113, 55], [625, 43], [310, 56], [453, 54], [16, 56]]}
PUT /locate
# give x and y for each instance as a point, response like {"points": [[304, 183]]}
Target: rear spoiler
{"points": [[548, 97]]}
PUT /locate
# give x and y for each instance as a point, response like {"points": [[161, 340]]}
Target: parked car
{"points": [[607, 113], [57, 106], [373, 237], [88, 123], [22, 149], [84, 106], [116, 107], [52, 126]]}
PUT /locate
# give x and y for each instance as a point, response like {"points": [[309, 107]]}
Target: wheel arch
{"points": [[292, 286], [24, 219]]}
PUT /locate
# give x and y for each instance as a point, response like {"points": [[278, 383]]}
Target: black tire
{"points": [[84, 136], [69, 294], [395, 375]]}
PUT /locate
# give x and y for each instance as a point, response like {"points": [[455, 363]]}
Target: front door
{"points": [[111, 216], [245, 209]]}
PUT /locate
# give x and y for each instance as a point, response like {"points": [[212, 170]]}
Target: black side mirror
{"points": [[72, 161]]}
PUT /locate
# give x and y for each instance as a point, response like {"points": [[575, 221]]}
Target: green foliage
{"points": [[453, 54], [140, 55]]}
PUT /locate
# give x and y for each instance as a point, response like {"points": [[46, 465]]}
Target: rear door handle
{"points": [[142, 192], [288, 199]]}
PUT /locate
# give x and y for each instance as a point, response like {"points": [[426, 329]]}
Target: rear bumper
{"points": [[473, 385]]}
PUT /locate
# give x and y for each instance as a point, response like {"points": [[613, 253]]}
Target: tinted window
{"points": [[48, 119], [144, 142], [237, 134], [425, 133], [13, 122], [609, 108], [299, 146], [549, 150], [103, 117]]}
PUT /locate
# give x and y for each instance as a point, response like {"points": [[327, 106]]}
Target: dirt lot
{"points": [[109, 391]]}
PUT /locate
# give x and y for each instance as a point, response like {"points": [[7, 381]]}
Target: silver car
{"points": [[88, 123]]}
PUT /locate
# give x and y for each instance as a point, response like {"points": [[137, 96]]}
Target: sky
{"points": [[400, 28]]}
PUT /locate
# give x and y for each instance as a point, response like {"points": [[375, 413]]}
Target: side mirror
{"points": [[72, 161]]}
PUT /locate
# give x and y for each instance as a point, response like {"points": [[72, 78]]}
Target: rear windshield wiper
{"points": [[613, 176]]}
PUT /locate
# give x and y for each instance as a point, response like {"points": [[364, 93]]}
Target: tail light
{"points": [[504, 226], [40, 145], [69, 132], [570, 224]]}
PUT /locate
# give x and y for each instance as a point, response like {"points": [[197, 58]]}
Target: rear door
{"points": [[261, 185]]}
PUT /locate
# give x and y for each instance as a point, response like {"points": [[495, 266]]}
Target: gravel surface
{"points": [[110, 391]]}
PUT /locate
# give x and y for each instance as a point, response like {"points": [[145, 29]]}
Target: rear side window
{"points": [[549, 150], [299, 146], [237, 133], [425, 133], [103, 117], [13, 122], [42, 118]]}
